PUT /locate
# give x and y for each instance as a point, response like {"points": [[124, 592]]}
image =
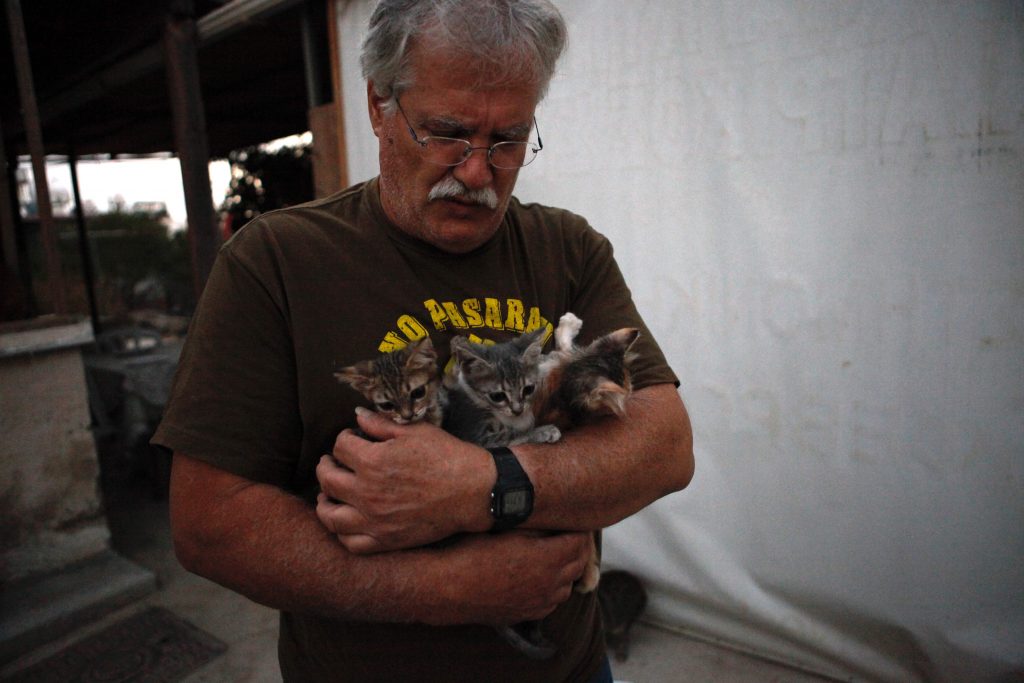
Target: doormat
{"points": [[154, 646]]}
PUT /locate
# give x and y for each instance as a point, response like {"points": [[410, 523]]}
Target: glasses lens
{"points": [[513, 154], [452, 152], [445, 151]]}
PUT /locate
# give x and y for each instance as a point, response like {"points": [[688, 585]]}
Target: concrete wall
{"points": [[49, 472]]}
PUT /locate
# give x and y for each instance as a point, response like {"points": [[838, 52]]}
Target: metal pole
{"points": [[180, 49], [34, 136], [8, 206], [84, 252], [311, 64]]}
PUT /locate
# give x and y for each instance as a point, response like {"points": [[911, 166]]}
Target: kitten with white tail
{"points": [[489, 395], [584, 384]]}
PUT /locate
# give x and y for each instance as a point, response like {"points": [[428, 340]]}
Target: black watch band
{"points": [[512, 495]]}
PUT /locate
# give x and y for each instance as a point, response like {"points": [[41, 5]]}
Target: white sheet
{"points": [[820, 209]]}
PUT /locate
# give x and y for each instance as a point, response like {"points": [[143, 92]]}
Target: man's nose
{"points": [[476, 171]]}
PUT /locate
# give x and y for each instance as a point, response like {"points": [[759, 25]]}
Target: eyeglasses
{"points": [[444, 151]]}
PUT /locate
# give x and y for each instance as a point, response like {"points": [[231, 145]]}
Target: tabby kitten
{"points": [[488, 397], [402, 385], [488, 400]]}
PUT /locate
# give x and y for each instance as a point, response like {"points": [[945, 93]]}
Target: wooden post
{"points": [[341, 153], [180, 51], [329, 176], [34, 137]]}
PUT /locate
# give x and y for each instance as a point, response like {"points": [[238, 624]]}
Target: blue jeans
{"points": [[604, 674]]}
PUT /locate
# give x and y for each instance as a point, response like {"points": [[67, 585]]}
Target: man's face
{"points": [[447, 101]]}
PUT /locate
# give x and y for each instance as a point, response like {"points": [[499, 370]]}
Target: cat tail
{"points": [[528, 639]]}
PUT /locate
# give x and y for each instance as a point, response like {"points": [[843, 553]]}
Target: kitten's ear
{"points": [[531, 344], [618, 341], [421, 355], [463, 351], [529, 338], [360, 376]]}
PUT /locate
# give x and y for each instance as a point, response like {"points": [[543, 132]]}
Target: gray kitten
{"points": [[488, 400], [488, 396], [402, 385]]}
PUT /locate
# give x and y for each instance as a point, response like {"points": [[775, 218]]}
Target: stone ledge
{"points": [[46, 333], [36, 611]]}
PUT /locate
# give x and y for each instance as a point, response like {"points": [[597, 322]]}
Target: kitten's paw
{"points": [[568, 327], [546, 434], [591, 577]]}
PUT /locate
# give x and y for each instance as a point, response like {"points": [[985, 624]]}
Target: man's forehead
{"points": [[520, 128], [445, 68]]}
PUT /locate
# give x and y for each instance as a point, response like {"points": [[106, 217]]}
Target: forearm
{"points": [[602, 473], [270, 547]]}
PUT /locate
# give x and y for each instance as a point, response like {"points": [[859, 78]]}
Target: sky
{"points": [[134, 180], [150, 179]]}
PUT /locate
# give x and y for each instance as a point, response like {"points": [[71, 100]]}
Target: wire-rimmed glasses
{"points": [[443, 151]]}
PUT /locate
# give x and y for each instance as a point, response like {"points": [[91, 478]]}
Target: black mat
{"points": [[154, 646]]}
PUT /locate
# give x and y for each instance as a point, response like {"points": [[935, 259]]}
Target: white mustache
{"points": [[449, 187]]}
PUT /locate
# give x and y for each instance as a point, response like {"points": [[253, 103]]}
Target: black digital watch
{"points": [[512, 495]]}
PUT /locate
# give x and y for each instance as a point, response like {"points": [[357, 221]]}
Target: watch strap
{"points": [[512, 480]]}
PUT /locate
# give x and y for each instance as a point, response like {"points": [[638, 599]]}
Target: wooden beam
{"points": [[339, 100], [34, 136], [192, 148]]}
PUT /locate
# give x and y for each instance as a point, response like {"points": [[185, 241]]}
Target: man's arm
{"points": [[419, 484], [269, 546], [600, 474]]}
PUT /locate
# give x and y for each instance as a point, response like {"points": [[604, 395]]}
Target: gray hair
{"points": [[509, 39]]}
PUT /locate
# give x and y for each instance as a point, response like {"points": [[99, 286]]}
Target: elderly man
{"points": [[436, 245]]}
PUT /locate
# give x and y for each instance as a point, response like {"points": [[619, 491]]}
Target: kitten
{"points": [[622, 599], [584, 384], [488, 397], [402, 385], [488, 400]]}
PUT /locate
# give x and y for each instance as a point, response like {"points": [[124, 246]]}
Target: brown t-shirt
{"points": [[301, 292]]}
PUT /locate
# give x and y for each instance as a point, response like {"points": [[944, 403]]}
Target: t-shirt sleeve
{"points": [[233, 400], [604, 302]]}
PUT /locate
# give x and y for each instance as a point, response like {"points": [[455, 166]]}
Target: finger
{"points": [[376, 425], [360, 544], [337, 482], [339, 518], [347, 447]]}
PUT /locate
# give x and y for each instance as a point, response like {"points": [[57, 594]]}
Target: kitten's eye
{"points": [[386, 405], [498, 397], [528, 390], [418, 393]]}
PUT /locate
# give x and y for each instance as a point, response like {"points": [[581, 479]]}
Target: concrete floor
{"points": [[140, 530]]}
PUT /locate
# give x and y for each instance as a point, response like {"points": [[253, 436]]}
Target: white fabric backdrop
{"points": [[820, 209]]}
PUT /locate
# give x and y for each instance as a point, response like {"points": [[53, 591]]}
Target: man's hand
{"points": [[416, 485]]}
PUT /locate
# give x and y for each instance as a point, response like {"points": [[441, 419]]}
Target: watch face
{"points": [[515, 502]]}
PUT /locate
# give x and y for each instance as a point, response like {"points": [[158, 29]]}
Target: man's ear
{"points": [[375, 104]]}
